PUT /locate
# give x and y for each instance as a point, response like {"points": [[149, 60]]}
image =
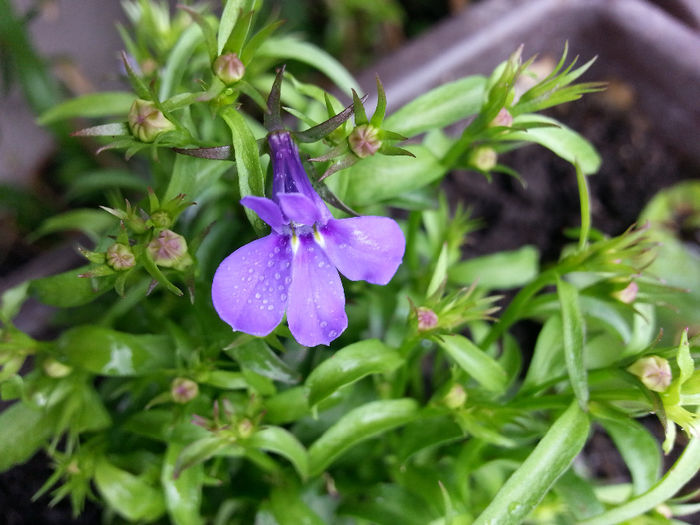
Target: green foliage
{"points": [[427, 409]]}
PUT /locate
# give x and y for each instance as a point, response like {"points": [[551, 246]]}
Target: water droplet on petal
{"points": [[257, 296], [283, 296], [262, 307], [250, 270], [321, 264], [324, 324], [265, 301], [270, 307], [332, 334], [276, 250], [278, 276], [270, 264]]}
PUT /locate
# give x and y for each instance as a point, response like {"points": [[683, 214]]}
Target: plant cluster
{"points": [[177, 391]]}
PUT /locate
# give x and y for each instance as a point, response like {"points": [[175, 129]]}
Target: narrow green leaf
{"points": [[677, 476], [287, 406], [12, 300], [23, 430], [201, 450], [116, 129], [130, 496], [502, 271], [177, 62], [192, 176], [440, 107], [364, 422], [585, 200], [183, 496], [573, 331], [289, 508], [349, 365], [561, 140], [532, 480], [104, 180], [379, 178], [440, 273], [154, 271], [426, 432], [251, 178], [109, 352], [114, 103], [578, 495], [548, 360], [474, 361], [91, 222], [258, 357], [229, 16], [638, 448], [284, 443], [285, 48], [205, 26], [66, 289]]}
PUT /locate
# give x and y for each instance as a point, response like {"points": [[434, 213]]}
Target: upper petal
{"points": [[250, 286], [267, 210], [316, 312], [298, 208], [364, 248]]}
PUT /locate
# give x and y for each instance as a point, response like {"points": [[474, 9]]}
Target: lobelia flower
{"points": [[295, 268]]}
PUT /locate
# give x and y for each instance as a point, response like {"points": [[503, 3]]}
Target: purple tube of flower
{"points": [[295, 268]]}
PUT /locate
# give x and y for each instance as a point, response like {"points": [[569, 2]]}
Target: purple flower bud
{"points": [[628, 294], [427, 319], [169, 250], [653, 371], [364, 140], [504, 118], [228, 68], [183, 390], [295, 268], [146, 121], [120, 256]]}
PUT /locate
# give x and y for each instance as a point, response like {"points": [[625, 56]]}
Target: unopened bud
{"points": [[628, 294], [504, 118], [55, 369], [364, 140], [653, 371], [483, 158], [146, 121], [161, 219], [120, 256], [183, 390], [245, 428], [456, 397], [229, 68], [169, 250], [427, 319]]}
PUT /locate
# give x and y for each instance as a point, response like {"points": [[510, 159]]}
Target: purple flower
{"points": [[295, 268]]}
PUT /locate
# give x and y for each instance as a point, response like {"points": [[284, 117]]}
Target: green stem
{"points": [[679, 474], [585, 198]]}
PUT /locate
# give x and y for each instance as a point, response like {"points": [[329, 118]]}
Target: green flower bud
{"points": [[628, 294], [245, 428], [427, 319], [364, 140], [169, 250], [55, 369], [161, 219], [146, 121], [120, 256], [456, 397], [653, 371], [229, 68], [483, 158], [183, 390]]}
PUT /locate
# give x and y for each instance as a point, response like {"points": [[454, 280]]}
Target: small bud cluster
{"points": [[146, 121]]}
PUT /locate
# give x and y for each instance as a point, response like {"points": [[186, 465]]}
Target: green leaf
{"points": [[284, 443], [12, 300], [289, 508], [183, 496], [573, 331], [682, 471], [115, 129], [104, 180], [285, 48], [440, 273], [638, 447], [561, 140], [112, 353], [349, 365], [503, 270], [205, 26], [23, 430], [578, 495], [130, 496], [474, 361], [177, 62], [66, 289], [202, 449], [547, 360], [379, 178], [425, 432], [532, 480], [91, 105], [251, 179], [364, 422], [287, 406], [258, 357], [91, 222], [192, 176], [440, 107], [229, 16]]}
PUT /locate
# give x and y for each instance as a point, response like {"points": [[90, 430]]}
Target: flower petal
{"points": [[364, 248], [250, 286], [316, 313], [267, 210], [298, 208]]}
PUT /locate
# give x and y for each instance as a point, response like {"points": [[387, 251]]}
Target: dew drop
{"points": [[287, 280], [332, 334], [262, 307], [249, 279], [286, 264], [276, 250], [270, 264], [270, 255], [257, 296], [280, 287], [270, 307], [324, 324], [265, 301], [321, 264], [278, 276], [261, 278], [250, 270], [283, 296]]}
